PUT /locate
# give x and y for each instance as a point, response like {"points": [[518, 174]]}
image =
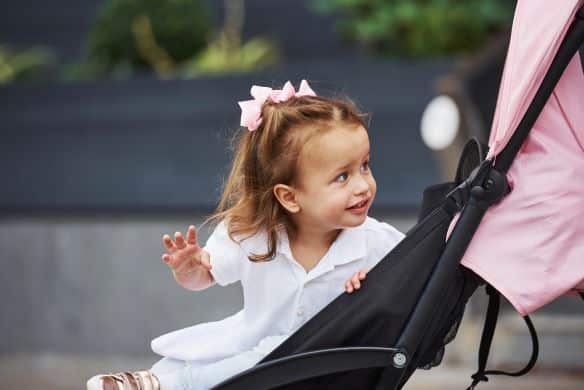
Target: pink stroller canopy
{"points": [[530, 246]]}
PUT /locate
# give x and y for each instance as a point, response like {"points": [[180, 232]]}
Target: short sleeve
{"points": [[226, 256], [381, 239]]}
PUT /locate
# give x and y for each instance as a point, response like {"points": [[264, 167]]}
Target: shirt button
{"points": [[300, 312]]}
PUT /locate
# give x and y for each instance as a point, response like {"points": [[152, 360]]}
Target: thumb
{"points": [[206, 260]]}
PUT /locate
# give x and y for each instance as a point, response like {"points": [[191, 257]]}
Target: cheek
{"points": [[372, 184], [335, 200]]}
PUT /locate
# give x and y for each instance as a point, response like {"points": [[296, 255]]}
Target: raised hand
{"points": [[354, 283], [185, 257]]}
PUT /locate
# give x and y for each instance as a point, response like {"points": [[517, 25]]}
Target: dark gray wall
{"points": [[150, 144]]}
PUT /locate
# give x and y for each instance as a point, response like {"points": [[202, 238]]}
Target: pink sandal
{"points": [[137, 380]]}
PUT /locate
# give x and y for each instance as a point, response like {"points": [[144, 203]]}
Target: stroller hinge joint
{"points": [[491, 189]]}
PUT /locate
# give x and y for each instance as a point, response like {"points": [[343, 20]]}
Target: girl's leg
{"points": [[206, 376], [166, 365], [192, 375]]}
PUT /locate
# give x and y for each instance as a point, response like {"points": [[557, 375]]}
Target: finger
{"points": [[206, 260], [168, 243], [166, 258], [356, 282], [362, 274], [176, 264], [173, 262], [192, 235], [349, 286], [180, 241]]}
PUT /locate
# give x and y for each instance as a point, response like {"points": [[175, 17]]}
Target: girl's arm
{"points": [[189, 263]]}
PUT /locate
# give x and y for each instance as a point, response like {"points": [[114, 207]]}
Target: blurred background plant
{"points": [[175, 38], [23, 64], [130, 35], [418, 28], [227, 53]]}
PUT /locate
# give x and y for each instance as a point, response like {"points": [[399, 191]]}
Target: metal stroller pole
{"points": [[488, 188]]}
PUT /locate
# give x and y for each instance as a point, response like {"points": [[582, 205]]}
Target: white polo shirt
{"points": [[279, 295]]}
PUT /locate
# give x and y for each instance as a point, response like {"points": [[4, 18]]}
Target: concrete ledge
{"points": [[561, 342], [69, 372]]}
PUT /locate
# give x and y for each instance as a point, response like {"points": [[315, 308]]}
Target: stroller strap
{"points": [[487, 338]]}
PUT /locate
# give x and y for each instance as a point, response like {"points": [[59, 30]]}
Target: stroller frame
{"points": [[485, 187]]}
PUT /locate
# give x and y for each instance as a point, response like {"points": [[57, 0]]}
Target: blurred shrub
{"points": [[137, 32], [22, 64], [91, 69], [419, 27], [221, 56], [227, 54]]}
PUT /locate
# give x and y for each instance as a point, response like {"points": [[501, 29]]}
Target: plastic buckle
{"points": [[461, 193]]}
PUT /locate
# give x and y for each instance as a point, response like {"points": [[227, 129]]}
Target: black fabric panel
{"points": [[376, 314], [464, 284], [433, 196]]}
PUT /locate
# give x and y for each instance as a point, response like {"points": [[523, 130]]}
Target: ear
{"points": [[286, 196]]}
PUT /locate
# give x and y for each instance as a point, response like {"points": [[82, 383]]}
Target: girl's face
{"points": [[335, 184]]}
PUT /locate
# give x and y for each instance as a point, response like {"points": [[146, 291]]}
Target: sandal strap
{"points": [[137, 380], [130, 381], [110, 382]]}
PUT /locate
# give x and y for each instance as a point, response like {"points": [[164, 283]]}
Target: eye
{"points": [[365, 166], [342, 177]]}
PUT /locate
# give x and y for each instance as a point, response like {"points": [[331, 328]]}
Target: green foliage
{"points": [[91, 69], [419, 27], [22, 64], [222, 57], [173, 29]]}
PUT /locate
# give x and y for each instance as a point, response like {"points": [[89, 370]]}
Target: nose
{"points": [[361, 185]]}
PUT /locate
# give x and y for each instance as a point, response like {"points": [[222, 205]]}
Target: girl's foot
{"points": [[137, 380]]}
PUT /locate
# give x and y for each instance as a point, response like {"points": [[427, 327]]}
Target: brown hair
{"points": [[268, 156]]}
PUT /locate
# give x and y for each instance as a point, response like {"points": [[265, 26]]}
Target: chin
{"points": [[355, 220]]}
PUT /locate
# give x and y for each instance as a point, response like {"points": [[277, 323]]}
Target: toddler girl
{"points": [[293, 229]]}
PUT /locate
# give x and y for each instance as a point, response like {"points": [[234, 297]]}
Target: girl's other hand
{"points": [[354, 283], [185, 257]]}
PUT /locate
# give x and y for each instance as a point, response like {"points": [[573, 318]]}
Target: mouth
{"points": [[360, 205]]}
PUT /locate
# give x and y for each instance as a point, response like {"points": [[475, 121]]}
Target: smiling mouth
{"points": [[359, 205]]}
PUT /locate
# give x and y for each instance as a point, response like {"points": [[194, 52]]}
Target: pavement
{"points": [[69, 372]]}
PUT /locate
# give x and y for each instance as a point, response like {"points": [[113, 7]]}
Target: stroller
{"points": [[414, 299]]}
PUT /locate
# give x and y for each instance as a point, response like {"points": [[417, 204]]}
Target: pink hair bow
{"points": [[251, 109]]}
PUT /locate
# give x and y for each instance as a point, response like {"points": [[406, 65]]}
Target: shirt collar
{"points": [[350, 245]]}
